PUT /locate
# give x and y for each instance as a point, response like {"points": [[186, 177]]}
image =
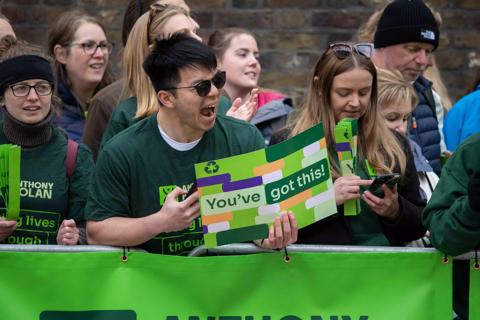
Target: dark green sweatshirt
{"points": [[454, 226]]}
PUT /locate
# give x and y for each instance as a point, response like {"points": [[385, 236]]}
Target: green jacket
{"points": [[454, 226]]}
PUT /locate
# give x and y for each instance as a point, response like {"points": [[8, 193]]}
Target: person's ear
{"points": [[60, 54], [165, 98]]}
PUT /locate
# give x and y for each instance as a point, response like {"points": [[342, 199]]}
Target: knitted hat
{"points": [[406, 21]]}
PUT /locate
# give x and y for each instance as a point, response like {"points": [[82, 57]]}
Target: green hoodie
{"points": [[454, 226]]}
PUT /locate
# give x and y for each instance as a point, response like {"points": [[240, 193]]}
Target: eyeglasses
{"points": [[90, 47], [23, 90], [343, 50], [203, 87]]}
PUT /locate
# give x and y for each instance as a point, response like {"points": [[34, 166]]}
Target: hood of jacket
{"points": [[272, 110]]}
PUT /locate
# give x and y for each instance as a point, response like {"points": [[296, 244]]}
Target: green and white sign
{"points": [[240, 196], [325, 286]]}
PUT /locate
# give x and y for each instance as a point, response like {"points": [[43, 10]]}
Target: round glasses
{"points": [[203, 87], [23, 90]]}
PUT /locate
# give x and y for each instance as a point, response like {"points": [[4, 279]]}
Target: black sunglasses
{"points": [[342, 50], [203, 87]]}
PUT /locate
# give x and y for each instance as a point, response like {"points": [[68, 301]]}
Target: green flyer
{"points": [[346, 133], [10, 179], [240, 196]]}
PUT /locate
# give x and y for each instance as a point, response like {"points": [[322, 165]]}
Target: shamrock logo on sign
{"points": [[211, 167]]}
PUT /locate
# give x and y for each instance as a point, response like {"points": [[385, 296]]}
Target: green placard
{"points": [[10, 179], [241, 196], [346, 132]]}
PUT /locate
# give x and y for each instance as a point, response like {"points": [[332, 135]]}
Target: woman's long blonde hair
{"points": [[149, 26], [377, 143]]}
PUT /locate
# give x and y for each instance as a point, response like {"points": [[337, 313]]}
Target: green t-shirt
{"points": [[46, 195], [124, 116], [137, 169], [224, 105]]}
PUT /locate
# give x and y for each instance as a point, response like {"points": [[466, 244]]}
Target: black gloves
{"points": [[474, 191]]}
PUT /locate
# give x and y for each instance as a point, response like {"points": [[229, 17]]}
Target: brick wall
{"points": [[292, 33]]}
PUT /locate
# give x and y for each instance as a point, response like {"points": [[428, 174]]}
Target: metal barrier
{"points": [[249, 248], [230, 249]]}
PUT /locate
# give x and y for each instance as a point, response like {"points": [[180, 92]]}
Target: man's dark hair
{"points": [[170, 55]]}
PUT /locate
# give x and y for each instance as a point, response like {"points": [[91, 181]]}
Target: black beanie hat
{"points": [[406, 21]]}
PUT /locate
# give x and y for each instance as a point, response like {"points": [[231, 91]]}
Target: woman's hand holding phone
{"points": [[348, 188], [390, 180], [386, 206]]}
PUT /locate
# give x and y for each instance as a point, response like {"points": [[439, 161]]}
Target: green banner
{"points": [[474, 305], [313, 286], [241, 196]]}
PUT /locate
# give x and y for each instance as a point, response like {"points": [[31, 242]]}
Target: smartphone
{"points": [[390, 180]]}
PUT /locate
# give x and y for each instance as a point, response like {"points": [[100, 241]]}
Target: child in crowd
{"points": [[396, 99]]}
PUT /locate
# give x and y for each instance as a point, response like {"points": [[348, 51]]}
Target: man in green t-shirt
{"points": [[143, 174]]}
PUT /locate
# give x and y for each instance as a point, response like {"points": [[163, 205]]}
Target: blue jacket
{"points": [[71, 117], [423, 125], [463, 120]]}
